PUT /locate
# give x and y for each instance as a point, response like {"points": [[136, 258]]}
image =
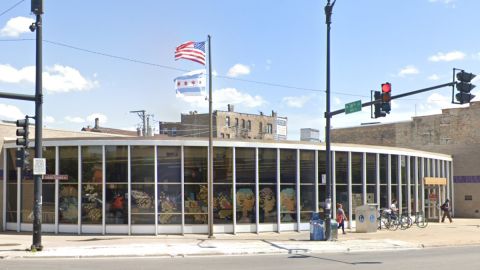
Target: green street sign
{"points": [[352, 107]]}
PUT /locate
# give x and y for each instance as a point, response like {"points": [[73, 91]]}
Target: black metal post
{"points": [[37, 188], [210, 143], [328, 201]]}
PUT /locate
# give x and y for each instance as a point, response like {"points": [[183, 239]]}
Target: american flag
{"points": [[191, 50]]}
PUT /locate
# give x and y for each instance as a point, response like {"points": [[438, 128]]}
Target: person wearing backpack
{"points": [[446, 210]]}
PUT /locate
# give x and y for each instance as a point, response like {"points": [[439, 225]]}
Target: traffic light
{"points": [[464, 85], [386, 97], [378, 112], [22, 132], [23, 158]]}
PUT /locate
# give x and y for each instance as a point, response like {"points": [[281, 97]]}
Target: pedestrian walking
{"points": [[446, 210], [341, 217]]}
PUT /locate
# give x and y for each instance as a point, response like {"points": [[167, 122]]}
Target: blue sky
{"points": [[412, 43]]}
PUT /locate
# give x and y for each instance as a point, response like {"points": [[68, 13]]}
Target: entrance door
{"points": [[434, 196], [431, 202]]}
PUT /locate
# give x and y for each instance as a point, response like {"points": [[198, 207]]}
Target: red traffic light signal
{"points": [[386, 87]]}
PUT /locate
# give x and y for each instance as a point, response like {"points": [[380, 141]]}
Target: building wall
{"points": [[196, 125], [455, 132]]}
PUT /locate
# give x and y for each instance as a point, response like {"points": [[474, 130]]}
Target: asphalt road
{"points": [[463, 258]]}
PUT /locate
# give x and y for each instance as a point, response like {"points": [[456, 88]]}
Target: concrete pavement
{"points": [[16, 245]]}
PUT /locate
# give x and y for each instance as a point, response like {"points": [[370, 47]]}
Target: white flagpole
{"points": [[210, 145]]}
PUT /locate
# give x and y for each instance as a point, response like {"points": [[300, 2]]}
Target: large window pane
{"points": [[169, 204], [11, 186], [307, 187], [116, 164], [48, 188], [245, 204], [92, 184], [222, 205], [169, 164], [341, 162], [68, 190], [142, 164], [245, 165], [322, 186], [143, 204], [195, 164], [268, 185], [26, 199], [288, 166], [196, 203], [116, 204], [371, 168], [222, 165]]}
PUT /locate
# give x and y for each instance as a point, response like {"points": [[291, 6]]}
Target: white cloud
{"points": [[296, 102], [65, 79], [102, 119], [268, 65], [48, 120], [55, 79], [447, 57], [225, 96], [408, 70], [222, 97], [434, 77], [10, 112], [238, 69], [74, 119], [16, 26], [337, 101]]}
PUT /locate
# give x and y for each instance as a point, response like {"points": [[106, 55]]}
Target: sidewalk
{"points": [[461, 232]]}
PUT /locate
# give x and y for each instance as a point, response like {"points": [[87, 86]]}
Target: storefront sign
{"points": [[54, 176]]}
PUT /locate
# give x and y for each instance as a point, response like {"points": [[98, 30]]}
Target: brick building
{"points": [[455, 132], [228, 125]]}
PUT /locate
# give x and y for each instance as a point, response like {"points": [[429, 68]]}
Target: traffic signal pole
{"points": [[398, 96], [328, 115], [37, 9]]}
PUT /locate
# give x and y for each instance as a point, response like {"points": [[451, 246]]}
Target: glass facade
{"points": [[166, 185]]}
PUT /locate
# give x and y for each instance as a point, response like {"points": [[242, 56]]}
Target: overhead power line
{"points": [[123, 58], [12, 7]]}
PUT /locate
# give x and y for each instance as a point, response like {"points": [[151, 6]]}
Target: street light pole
{"points": [[37, 9], [328, 200]]}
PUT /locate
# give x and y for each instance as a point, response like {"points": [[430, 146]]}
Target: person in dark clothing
{"points": [[446, 210]]}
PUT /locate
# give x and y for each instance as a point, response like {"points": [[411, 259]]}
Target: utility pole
{"points": [[37, 9], [328, 175], [141, 114]]}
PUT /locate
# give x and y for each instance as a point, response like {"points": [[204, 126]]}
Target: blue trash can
{"points": [[317, 232]]}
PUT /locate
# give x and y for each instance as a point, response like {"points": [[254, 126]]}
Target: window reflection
{"points": [[92, 178], [68, 189], [245, 188]]}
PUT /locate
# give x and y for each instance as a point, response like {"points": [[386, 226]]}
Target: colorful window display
{"points": [[245, 205], [267, 173], [169, 204], [307, 184], [288, 187], [11, 170], [116, 187], [92, 184], [108, 181], [245, 187], [268, 204], [68, 190], [143, 184]]}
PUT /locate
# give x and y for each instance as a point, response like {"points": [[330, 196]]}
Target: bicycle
{"points": [[405, 221], [420, 220]]}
